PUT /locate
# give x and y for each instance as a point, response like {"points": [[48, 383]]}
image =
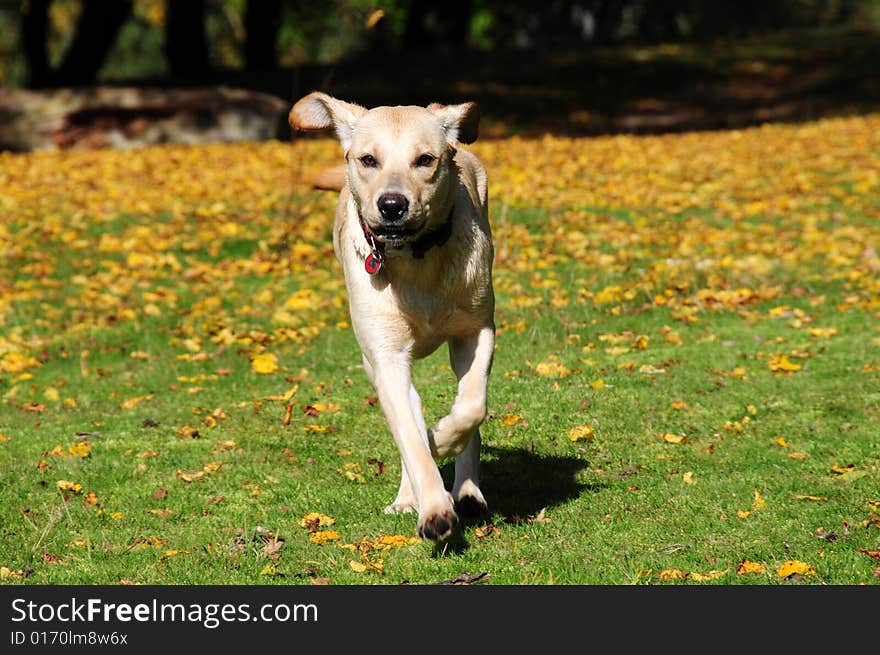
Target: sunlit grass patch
{"points": [[685, 389]]}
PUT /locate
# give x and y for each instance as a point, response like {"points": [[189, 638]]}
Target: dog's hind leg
{"points": [[466, 494], [458, 433]]}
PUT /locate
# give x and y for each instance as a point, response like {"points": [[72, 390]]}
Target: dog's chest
{"points": [[431, 316]]}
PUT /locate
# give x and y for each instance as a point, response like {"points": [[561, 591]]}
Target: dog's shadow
{"points": [[518, 484]]}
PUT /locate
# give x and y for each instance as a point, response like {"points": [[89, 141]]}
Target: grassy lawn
{"points": [[686, 386]]}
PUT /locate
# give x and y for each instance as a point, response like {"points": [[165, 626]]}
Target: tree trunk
{"points": [[96, 32], [186, 46], [34, 34], [262, 19]]}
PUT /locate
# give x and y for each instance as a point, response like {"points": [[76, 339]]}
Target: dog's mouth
{"points": [[394, 235]]}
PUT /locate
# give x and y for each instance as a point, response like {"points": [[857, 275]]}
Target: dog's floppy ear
{"points": [[318, 111], [461, 122]]}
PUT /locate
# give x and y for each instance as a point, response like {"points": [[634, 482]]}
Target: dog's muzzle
{"points": [[392, 208]]}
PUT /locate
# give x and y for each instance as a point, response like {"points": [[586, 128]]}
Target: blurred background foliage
{"points": [[45, 43]]}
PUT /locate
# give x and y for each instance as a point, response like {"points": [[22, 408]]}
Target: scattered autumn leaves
{"points": [[224, 253], [367, 554]]}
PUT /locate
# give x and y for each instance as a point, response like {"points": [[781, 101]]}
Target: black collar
{"points": [[436, 237]]}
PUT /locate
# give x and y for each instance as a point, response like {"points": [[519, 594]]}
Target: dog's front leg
{"points": [[458, 433], [420, 479]]}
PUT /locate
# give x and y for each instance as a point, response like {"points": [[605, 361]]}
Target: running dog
{"points": [[412, 235]]}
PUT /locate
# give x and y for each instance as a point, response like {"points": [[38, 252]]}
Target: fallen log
{"points": [[125, 117]]}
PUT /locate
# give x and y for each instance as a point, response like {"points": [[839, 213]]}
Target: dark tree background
{"points": [[201, 36], [572, 66]]}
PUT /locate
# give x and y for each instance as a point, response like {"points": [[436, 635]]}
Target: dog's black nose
{"points": [[392, 206]]}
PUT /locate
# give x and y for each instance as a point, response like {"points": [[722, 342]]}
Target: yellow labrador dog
{"points": [[412, 236]]}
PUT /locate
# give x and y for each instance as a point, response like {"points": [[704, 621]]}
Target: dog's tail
{"points": [[330, 179]]}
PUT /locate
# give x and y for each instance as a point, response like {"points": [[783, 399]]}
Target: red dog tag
{"points": [[372, 263]]}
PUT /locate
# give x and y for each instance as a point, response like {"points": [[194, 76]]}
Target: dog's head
{"points": [[399, 160]]}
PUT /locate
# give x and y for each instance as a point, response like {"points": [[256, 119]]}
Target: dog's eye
{"points": [[425, 160], [369, 161]]}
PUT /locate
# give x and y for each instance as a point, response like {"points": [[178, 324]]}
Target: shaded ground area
{"points": [[625, 89], [641, 89]]}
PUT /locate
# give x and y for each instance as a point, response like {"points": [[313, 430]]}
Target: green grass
{"points": [[623, 507]]}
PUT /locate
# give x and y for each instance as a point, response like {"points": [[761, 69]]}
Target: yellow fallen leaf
{"points": [[747, 567], [287, 395], [552, 369], [743, 513], [317, 519], [212, 467], [738, 373], [688, 478], [265, 363], [187, 432], [51, 394], [841, 470], [352, 471], [798, 456], [510, 419], [328, 408], [190, 476], [758, 503], [323, 536], [793, 567], [360, 567], [679, 405], [131, 403], [395, 541], [316, 428], [80, 449], [781, 364], [781, 442], [673, 574], [705, 577], [485, 531], [818, 499], [269, 569], [598, 384], [669, 437], [67, 485], [581, 433]]}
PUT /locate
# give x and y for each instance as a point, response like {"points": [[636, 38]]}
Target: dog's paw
{"points": [[470, 501], [471, 506], [438, 525], [399, 508]]}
